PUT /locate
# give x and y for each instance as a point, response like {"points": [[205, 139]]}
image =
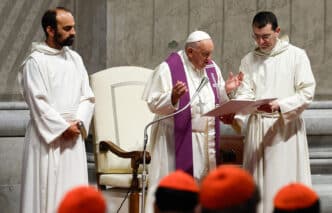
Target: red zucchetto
{"points": [[225, 187], [83, 199]]}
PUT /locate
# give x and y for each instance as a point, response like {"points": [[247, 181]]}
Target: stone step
{"points": [[322, 185], [321, 166]]}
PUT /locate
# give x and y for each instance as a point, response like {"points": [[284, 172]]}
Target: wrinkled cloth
{"points": [[55, 86], [157, 94], [276, 147]]}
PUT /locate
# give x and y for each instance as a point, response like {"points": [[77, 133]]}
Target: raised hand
{"points": [[233, 82], [178, 90]]}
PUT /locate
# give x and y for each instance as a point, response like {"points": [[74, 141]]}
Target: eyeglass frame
{"points": [[264, 37], [202, 53]]}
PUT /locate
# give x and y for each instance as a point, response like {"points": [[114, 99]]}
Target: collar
{"points": [[282, 44], [44, 48]]}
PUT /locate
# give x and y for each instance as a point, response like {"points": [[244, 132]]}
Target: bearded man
{"points": [[56, 88]]}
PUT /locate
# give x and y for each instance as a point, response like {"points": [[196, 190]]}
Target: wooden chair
{"points": [[119, 120]]}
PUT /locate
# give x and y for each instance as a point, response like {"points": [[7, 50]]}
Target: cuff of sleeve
{"points": [[171, 106], [82, 129]]}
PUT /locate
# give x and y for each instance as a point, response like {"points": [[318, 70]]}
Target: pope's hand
{"points": [[178, 90], [233, 82]]}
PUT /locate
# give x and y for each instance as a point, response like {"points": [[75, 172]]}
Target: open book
{"points": [[238, 107]]}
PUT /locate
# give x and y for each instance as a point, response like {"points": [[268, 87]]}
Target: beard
{"points": [[65, 42], [68, 41]]}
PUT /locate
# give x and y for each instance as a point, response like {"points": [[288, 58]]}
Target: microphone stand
{"points": [[203, 82]]}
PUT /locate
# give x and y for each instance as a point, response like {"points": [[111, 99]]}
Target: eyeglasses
{"points": [[204, 54], [265, 37]]}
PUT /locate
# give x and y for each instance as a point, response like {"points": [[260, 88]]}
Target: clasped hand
{"points": [[72, 132]]}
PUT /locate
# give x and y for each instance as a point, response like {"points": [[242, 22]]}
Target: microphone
{"points": [[203, 82]]}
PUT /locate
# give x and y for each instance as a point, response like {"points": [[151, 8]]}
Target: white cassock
{"points": [[157, 94], [276, 148], [56, 88]]}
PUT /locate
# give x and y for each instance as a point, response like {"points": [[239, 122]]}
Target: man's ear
{"points": [[189, 51], [277, 30], [50, 31]]}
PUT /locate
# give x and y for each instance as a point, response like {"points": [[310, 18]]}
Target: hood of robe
{"points": [[282, 44], [44, 48], [41, 47]]}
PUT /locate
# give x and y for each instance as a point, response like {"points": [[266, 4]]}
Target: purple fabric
{"points": [[182, 121]]}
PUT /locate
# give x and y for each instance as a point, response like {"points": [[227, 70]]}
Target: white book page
{"points": [[238, 107]]}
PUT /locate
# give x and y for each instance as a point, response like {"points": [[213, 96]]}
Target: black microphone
{"points": [[203, 82]]}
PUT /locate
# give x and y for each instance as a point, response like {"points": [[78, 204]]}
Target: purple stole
{"points": [[182, 121]]}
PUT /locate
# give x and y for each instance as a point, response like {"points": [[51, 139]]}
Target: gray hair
{"points": [[193, 45]]}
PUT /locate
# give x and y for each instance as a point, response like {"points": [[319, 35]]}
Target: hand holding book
{"points": [[271, 107]]}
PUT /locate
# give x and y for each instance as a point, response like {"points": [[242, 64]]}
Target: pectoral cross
{"points": [[216, 86]]}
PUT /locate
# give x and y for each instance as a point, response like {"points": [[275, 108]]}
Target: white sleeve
{"points": [[87, 101], [246, 90], [158, 91], [47, 120], [221, 86], [291, 107]]}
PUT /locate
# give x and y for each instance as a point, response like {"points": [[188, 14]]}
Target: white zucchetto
{"points": [[197, 36]]}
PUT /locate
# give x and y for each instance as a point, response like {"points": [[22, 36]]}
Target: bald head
{"points": [[59, 27], [49, 18]]}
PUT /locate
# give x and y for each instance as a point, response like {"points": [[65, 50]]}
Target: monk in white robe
{"points": [[56, 88], [276, 148], [163, 98]]}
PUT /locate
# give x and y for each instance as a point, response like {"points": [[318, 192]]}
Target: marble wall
{"points": [[144, 32]]}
